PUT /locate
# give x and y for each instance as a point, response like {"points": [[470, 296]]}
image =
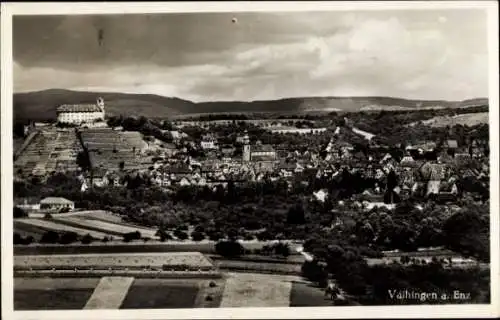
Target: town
{"points": [[356, 203]]}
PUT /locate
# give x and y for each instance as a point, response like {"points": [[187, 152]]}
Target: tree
{"points": [[83, 160], [467, 232], [312, 271], [197, 236], [19, 213], [229, 248], [127, 237], [282, 249], [215, 236], [50, 237], [68, 237], [87, 239], [29, 240], [18, 239], [296, 214], [181, 235], [164, 235]]}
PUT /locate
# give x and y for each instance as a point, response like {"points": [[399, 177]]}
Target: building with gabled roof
{"points": [[262, 152], [56, 204]]}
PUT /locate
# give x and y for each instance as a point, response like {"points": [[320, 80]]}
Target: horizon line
{"points": [[249, 101]]}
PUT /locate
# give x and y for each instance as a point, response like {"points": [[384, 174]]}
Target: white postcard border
{"points": [[451, 311]]}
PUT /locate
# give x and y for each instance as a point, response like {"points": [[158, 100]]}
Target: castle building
{"points": [[81, 113]]}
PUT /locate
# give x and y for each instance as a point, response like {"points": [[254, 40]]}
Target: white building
{"points": [[287, 130], [208, 142], [81, 113], [56, 204]]}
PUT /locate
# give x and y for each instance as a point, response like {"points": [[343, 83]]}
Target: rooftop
{"points": [[55, 200], [262, 148], [78, 108], [452, 143]]}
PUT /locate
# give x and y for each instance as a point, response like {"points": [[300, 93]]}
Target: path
{"points": [[109, 293]]}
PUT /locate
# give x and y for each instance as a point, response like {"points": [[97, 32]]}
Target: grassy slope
{"points": [[306, 295], [469, 119]]}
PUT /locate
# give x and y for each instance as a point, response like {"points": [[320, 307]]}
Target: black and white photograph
{"points": [[239, 157]]}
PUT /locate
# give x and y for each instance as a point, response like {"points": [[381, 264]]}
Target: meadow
{"points": [[257, 290]]}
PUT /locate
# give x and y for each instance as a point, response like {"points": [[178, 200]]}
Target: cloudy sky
{"points": [[207, 56]]}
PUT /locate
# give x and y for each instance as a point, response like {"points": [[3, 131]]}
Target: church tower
{"points": [[100, 105], [246, 148]]}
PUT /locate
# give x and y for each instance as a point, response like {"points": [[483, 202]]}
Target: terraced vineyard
{"points": [[103, 226], [49, 225], [98, 224]]}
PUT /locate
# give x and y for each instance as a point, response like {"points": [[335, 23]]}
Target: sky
{"points": [[427, 54]]}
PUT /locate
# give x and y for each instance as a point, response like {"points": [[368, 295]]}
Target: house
{"points": [[227, 151], [433, 174], [359, 156], [462, 158], [476, 150], [56, 204], [407, 160], [339, 150], [178, 171], [426, 146], [114, 179], [262, 152], [208, 142], [98, 177], [162, 179], [169, 149], [184, 182], [286, 169], [450, 144], [320, 195]]}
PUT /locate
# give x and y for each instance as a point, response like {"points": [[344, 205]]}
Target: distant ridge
{"points": [[41, 105]]}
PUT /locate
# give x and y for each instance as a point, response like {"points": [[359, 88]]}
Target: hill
{"points": [[41, 105]]}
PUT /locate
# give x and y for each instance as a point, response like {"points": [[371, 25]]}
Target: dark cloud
{"points": [[431, 54], [165, 39]]}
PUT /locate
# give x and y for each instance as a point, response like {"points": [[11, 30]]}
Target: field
{"points": [[304, 294], [154, 293], [259, 266], [194, 260], [235, 290], [97, 223], [47, 225], [52, 294], [103, 226], [257, 290], [469, 119], [114, 293], [100, 215]]}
